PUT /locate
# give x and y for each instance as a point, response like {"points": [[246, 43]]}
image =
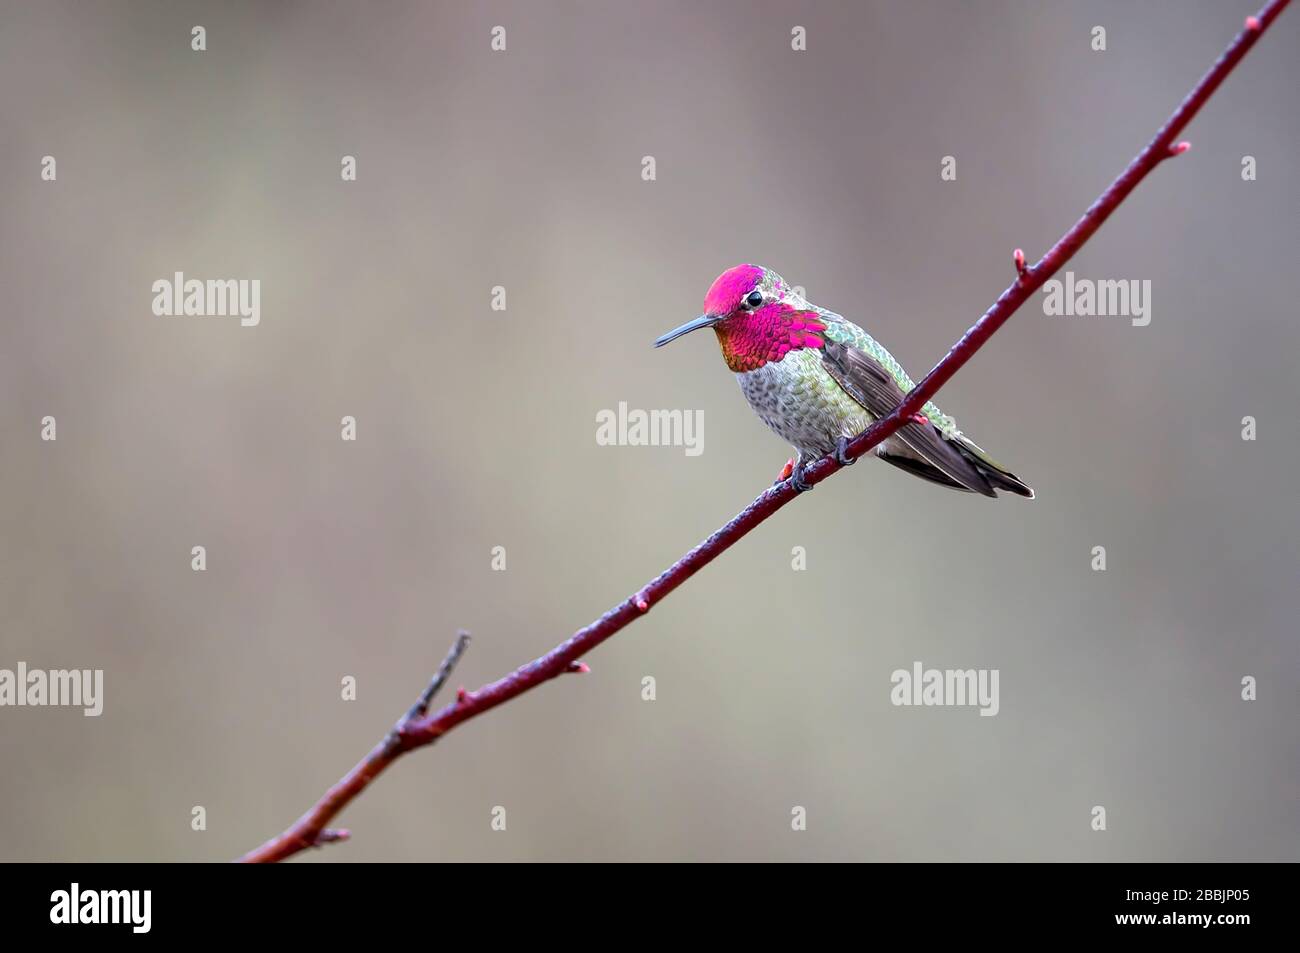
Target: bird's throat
{"points": [[754, 338]]}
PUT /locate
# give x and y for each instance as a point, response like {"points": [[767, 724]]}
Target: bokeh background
{"points": [[477, 429]]}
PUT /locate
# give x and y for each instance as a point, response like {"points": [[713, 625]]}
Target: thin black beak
{"points": [[703, 321]]}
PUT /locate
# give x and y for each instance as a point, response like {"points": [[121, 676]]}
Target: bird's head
{"points": [[757, 316]]}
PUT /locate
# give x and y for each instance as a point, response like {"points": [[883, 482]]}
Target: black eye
{"points": [[754, 299]]}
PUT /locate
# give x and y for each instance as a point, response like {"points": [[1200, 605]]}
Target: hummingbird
{"points": [[818, 380]]}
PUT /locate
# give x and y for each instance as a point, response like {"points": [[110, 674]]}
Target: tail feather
{"points": [[928, 471], [992, 471]]}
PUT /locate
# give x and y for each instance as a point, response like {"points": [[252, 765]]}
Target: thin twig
{"points": [[421, 707], [310, 829]]}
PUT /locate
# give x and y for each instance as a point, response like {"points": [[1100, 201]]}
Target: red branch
{"points": [[418, 728]]}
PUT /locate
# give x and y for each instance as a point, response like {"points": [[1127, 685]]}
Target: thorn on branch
{"points": [[1253, 24], [1022, 270], [462, 696], [332, 835], [578, 668], [921, 419], [1178, 148]]}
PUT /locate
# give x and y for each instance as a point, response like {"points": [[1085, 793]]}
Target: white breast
{"points": [[801, 403]]}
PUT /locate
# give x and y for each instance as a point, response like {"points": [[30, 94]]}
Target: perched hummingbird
{"points": [[818, 380]]}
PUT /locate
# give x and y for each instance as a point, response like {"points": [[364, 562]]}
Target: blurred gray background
{"points": [[477, 429]]}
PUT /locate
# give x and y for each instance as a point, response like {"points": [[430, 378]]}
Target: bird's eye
{"points": [[754, 299]]}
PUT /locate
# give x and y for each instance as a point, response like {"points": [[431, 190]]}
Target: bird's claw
{"points": [[797, 481], [842, 453], [794, 473]]}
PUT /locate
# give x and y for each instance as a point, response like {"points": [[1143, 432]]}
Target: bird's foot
{"points": [[793, 472], [842, 453], [796, 478]]}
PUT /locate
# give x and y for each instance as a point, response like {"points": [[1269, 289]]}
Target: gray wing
{"points": [[864, 379]]}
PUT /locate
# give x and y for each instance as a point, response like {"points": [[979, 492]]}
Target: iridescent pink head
{"points": [[731, 288], [758, 318]]}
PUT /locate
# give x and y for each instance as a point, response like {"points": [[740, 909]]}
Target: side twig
{"points": [[421, 707], [419, 728], [310, 829]]}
